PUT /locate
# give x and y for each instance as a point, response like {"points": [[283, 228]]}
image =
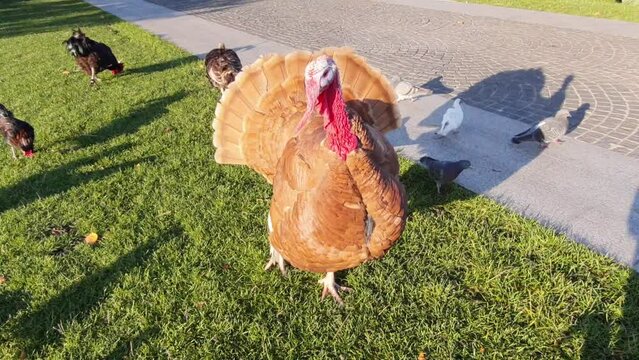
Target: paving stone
{"points": [[523, 70]]}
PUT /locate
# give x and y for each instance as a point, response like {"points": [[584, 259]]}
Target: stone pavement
{"points": [[523, 71], [579, 189]]}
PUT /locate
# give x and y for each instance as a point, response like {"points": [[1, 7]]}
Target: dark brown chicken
{"points": [[92, 56], [17, 133], [222, 65]]}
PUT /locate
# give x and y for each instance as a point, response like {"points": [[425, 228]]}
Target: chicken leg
{"points": [[13, 151], [330, 286], [93, 77]]}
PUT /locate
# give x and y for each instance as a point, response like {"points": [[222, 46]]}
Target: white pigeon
{"points": [[407, 91], [452, 119]]}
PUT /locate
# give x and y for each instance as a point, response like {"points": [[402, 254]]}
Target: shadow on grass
{"points": [[19, 17], [10, 303], [37, 330], [132, 122], [159, 67], [128, 347], [612, 339], [421, 190], [60, 179], [606, 338]]}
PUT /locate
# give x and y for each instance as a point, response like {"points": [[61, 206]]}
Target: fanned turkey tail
{"points": [[258, 113]]}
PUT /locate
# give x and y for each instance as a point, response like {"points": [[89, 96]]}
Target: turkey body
{"points": [[319, 213], [332, 209]]}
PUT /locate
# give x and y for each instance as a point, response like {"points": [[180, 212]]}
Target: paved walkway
{"points": [[520, 70], [511, 73]]}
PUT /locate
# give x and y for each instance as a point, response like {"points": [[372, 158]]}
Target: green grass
{"points": [[179, 269], [607, 9]]}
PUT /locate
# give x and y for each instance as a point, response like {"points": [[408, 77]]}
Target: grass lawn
{"points": [[178, 272], [608, 9]]}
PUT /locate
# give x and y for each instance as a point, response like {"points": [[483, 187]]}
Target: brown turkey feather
{"points": [[238, 127], [327, 214], [330, 215]]}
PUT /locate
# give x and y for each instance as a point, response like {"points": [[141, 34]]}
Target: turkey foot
{"points": [[333, 288], [276, 259]]}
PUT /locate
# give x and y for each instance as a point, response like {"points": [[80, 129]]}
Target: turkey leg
{"points": [[276, 257], [331, 287]]}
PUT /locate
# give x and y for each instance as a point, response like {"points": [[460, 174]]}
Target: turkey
{"points": [[222, 65], [312, 125]]}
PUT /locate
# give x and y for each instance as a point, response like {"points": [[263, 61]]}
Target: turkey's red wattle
{"points": [[339, 136]]}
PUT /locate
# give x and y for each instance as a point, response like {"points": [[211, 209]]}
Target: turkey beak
{"points": [[305, 119], [312, 93], [324, 82]]}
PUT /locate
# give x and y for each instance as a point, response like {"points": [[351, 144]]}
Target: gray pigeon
{"points": [[444, 172], [546, 131], [407, 91]]}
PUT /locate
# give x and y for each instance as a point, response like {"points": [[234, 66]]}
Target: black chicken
{"points": [[92, 56]]}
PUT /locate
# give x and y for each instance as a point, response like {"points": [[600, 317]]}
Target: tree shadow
{"points": [[60, 179], [131, 122], [37, 330], [159, 67], [11, 302], [18, 17]]}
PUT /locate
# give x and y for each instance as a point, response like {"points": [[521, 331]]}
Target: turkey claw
{"points": [[276, 260], [331, 287]]}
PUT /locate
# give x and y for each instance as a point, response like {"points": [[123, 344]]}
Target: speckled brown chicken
{"points": [[312, 125], [222, 65], [17, 133]]}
